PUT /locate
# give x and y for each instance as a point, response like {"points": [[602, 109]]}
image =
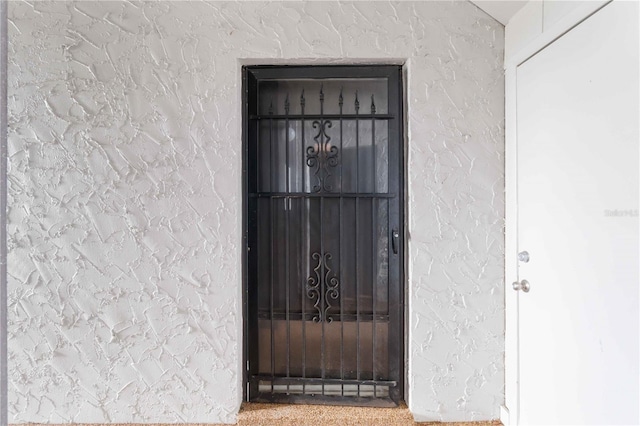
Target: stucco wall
{"points": [[125, 199]]}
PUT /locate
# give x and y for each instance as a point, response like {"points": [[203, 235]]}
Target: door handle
{"points": [[394, 240], [522, 285]]}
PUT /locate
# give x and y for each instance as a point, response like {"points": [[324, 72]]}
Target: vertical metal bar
{"points": [[396, 275], [358, 373], [259, 157], [388, 287], [287, 243], [303, 293], [303, 254], [303, 170], [340, 245], [373, 143], [3, 212], [271, 162], [272, 240], [252, 140], [374, 250], [357, 107], [396, 160], [340, 154], [323, 319], [323, 155]]}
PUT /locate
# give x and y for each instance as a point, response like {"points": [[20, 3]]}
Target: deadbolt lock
{"points": [[523, 256]]}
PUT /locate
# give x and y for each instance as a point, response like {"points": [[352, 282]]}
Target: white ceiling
{"points": [[501, 10]]}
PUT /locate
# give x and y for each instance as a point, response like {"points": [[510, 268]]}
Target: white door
{"points": [[578, 156]]}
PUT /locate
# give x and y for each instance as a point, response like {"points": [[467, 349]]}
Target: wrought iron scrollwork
{"points": [[323, 287], [322, 155]]}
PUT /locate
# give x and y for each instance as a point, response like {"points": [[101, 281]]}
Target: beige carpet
{"points": [[253, 414]]}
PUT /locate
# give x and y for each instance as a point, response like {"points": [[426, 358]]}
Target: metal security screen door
{"points": [[323, 222]]}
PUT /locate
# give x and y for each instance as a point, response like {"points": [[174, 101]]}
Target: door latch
{"points": [[394, 240]]}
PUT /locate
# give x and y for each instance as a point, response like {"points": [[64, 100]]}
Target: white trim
{"points": [[505, 417], [581, 12], [511, 247]]}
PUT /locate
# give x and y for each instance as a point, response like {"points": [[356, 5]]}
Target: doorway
{"points": [[323, 169], [577, 224]]}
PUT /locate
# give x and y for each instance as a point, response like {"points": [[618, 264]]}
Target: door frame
{"points": [[510, 411], [247, 92]]}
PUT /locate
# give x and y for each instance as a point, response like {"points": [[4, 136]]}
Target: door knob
{"points": [[522, 285], [523, 256]]}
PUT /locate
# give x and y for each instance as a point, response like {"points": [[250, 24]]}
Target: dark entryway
{"points": [[323, 228]]}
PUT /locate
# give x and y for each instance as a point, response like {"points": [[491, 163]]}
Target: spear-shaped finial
{"points": [[340, 100], [271, 107], [373, 106], [357, 103], [302, 101], [286, 104]]}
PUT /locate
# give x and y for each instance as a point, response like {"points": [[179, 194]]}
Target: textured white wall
{"points": [[125, 199]]}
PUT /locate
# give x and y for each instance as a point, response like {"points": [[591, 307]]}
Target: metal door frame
{"points": [[396, 92]]}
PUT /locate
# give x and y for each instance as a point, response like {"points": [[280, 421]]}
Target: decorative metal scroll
{"points": [[322, 155], [322, 287]]}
